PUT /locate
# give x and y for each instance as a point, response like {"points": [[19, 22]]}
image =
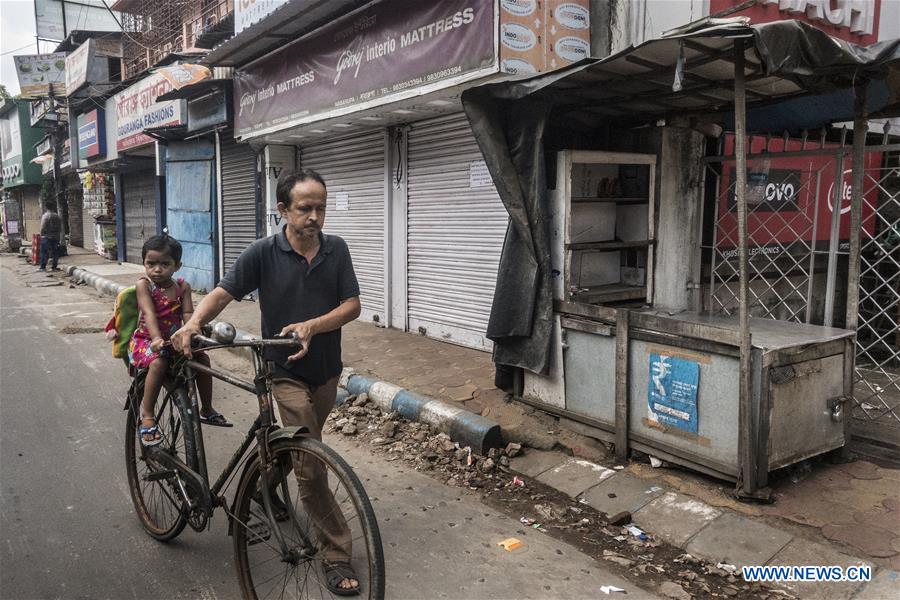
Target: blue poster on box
{"points": [[672, 391]]}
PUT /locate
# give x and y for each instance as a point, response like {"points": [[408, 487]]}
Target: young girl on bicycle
{"points": [[165, 303]]}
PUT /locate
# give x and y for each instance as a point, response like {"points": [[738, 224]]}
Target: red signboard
{"points": [[851, 20], [781, 196]]}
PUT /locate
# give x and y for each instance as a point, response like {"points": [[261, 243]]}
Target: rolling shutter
{"points": [[353, 170], [456, 226], [76, 224], [239, 205], [139, 199]]}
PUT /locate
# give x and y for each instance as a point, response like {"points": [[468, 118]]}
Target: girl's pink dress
{"points": [[168, 318]]}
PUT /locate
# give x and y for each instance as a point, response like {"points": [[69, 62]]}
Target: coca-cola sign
{"points": [[369, 58]]}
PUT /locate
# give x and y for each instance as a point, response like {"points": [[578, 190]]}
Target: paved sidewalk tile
{"points": [[675, 517], [800, 552], [535, 462], [622, 492], [575, 476], [738, 540], [884, 586]]}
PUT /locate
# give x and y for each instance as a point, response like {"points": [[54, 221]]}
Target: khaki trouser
{"points": [[302, 404]]}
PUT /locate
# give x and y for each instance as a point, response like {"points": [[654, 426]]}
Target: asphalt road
{"points": [[67, 525]]}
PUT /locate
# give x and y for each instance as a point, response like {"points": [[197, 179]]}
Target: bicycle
{"points": [[277, 544]]}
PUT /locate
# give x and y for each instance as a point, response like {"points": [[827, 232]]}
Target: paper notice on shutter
{"points": [[342, 201], [479, 176]]}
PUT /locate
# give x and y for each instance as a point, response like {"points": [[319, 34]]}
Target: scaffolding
{"points": [[156, 29]]}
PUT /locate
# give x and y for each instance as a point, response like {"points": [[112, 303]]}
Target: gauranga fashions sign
{"points": [[373, 57], [137, 110]]}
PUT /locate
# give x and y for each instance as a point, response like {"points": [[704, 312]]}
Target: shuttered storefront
{"points": [[139, 200], [353, 169], [76, 215], [239, 205], [456, 226], [87, 224]]}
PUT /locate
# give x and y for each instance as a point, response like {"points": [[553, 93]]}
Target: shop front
{"points": [[22, 178], [95, 161], [140, 184], [371, 100]]}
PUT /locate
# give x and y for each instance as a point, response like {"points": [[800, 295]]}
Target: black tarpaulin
{"points": [[515, 120]]}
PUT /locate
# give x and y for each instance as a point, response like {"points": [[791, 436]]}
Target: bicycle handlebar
{"points": [[260, 343]]}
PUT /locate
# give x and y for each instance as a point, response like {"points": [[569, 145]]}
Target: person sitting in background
{"points": [[51, 229]]}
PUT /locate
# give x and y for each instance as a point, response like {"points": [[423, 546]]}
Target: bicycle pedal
{"points": [[159, 475], [258, 532]]}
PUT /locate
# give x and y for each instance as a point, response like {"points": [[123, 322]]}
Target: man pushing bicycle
{"points": [[307, 287]]}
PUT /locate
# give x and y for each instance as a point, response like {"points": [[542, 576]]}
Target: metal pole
{"points": [[745, 425], [622, 383], [812, 248], [860, 125], [835, 240]]}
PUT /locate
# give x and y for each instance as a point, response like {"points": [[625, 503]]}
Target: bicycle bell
{"points": [[223, 332]]}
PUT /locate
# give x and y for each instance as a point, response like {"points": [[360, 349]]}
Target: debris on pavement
{"points": [[636, 531], [615, 557], [613, 539], [513, 450], [609, 589], [657, 463], [670, 589], [510, 544], [619, 519], [726, 567]]}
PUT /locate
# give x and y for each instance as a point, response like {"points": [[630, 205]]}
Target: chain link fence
{"points": [[798, 252], [877, 389]]}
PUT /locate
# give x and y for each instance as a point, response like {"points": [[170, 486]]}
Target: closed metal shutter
{"points": [[76, 225], [353, 169], [455, 234], [87, 223], [239, 205], [139, 200]]}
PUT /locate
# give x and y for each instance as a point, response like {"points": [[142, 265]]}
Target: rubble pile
{"points": [[612, 539]]}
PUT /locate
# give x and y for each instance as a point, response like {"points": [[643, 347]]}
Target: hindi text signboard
{"points": [[137, 110]]}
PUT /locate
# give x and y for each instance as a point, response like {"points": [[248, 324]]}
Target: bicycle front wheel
{"points": [[154, 491], [321, 517]]}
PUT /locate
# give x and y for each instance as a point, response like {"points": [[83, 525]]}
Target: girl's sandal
{"points": [[153, 431], [215, 419]]}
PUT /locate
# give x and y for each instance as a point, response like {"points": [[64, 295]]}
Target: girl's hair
{"points": [[162, 243]]}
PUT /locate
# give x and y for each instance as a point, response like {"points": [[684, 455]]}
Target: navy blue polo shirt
{"points": [[291, 291]]}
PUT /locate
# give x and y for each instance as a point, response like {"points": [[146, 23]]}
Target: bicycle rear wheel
{"points": [[310, 525], [154, 492]]}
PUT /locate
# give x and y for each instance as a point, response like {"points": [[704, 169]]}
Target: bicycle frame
{"points": [[259, 431]]}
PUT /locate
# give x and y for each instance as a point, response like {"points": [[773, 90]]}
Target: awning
{"points": [[196, 90], [686, 75], [286, 23]]}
